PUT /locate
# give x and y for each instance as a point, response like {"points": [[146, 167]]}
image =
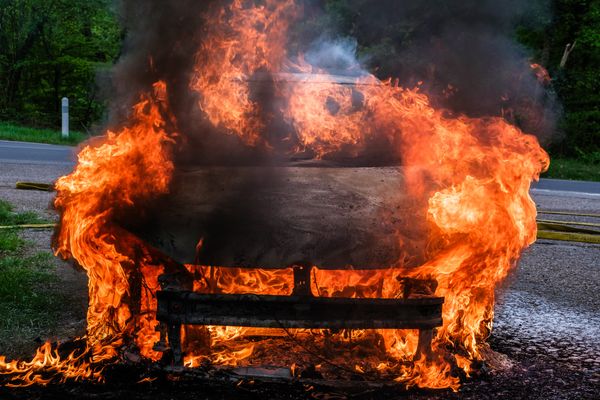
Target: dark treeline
{"points": [[55, 48], [578, 83], [50, 49]]}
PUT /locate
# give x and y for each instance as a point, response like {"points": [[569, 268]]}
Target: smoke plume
{"points": [[461, 54], [464, 54]]}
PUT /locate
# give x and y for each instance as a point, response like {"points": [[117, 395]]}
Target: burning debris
{"points": [[465, 182]]}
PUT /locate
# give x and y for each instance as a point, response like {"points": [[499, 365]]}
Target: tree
{"points": [[50, 49]]}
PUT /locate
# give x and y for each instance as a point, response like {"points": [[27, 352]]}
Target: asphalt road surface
{"points": [[38, 153], [561, 185]]}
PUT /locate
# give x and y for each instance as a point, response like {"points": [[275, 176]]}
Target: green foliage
{"points": [[51, 49], [24, 134], [578, 83], [583, 132], [585, 168]]}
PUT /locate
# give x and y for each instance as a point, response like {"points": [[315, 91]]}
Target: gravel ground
{"points": [[547, 319], [548, 316], [30, 200]]}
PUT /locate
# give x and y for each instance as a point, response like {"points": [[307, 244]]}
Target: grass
{"points": [[28, 303], [584, 168], [9, 217], [9, 240], [10, 131]]}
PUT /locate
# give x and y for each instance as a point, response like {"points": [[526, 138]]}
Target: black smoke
{"points": [[161, 43], [161, 39], [463, 53]]}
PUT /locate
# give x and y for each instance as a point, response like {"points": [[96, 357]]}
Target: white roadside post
{"points": [[65, 118]]}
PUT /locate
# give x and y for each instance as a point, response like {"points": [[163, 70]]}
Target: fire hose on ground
{"points": [[44, 187], [550, 229]]}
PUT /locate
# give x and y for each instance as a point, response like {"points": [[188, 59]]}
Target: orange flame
{"points": [[240, 41], [471, 177], [542, 74]]}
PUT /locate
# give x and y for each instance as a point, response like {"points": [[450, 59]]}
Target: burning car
{"points": [[348, 212]]}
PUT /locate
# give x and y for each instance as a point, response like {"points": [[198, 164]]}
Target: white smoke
{"points": [[336, 56]]}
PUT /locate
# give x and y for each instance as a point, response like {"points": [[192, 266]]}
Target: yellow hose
{"points": [[545, 226], [28, 226], [560, 230], [568, 213], [45, 187], [550, 221], [569, 236]]}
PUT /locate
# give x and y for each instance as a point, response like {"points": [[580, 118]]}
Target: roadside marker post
{"points": [[65, 118]]}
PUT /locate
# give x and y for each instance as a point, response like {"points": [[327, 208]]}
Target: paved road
{"points": [[561, 185], [37, 153]]}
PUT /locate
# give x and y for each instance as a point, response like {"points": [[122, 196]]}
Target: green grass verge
{"points": [[9, 217], [577, 169], [24, 134], [29, 302], [9, 240]]}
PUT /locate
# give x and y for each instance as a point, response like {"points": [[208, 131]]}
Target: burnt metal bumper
{"points": [[177, 307], [267, 311]]}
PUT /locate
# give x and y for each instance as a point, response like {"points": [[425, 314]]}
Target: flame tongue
{"points": [[240, 41], [112, 175], [470, 177], [129, 166]]}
